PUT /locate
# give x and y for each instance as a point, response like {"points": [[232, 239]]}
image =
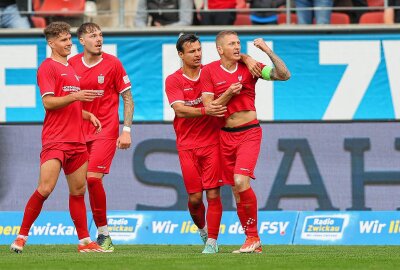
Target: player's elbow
{"points": [[287, 75], [180, 114], [284, 76], [47, 105]]}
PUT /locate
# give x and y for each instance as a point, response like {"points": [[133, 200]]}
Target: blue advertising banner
{"points": [[54, 227], [176, 227], [334, 76], [348, 228], [147, 227]]}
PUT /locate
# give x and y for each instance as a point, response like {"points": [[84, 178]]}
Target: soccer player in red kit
{"points": [[105, 74], [63, 144], [240, 138], [197, 140]]}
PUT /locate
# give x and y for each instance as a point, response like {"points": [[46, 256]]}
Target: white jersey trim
{"points": [[231, 72], [208, 93], [177, 101], [90, 66], [126, 89], [48, 93], [59, 62], [193, 80]]}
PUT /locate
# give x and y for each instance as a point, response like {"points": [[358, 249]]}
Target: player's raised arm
{"points": [[277, 73], [253, 66]]}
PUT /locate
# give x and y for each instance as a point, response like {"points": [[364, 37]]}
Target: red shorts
{"points": [[239, 151], [201, 168], [71, 155], [101, 154]]}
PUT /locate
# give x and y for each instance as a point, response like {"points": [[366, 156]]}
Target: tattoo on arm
{"points": [[128, 107], [280, 72]]}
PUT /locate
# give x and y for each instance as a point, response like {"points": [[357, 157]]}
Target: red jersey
{"points": [[65, 124], [108, 76], [190, 132], [216, 80], [221, 4]]}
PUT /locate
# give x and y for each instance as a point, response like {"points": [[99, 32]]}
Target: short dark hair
{"points": [[55, 29], [86, 28], [183, 38], [224, 33]]}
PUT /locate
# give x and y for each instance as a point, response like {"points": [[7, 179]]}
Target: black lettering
{"points": [[316, 188]]}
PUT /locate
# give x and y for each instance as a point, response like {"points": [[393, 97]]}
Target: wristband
{"points": [[127, 129], [266, 73], [203, 110]]}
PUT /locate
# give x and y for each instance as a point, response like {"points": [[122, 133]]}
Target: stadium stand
{"points": [[282, 18], [375, 3], [243, 14], [375, 17], [60, 7], [336, 18]]}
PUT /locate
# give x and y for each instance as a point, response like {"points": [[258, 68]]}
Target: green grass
{"points": [[189, 257]]}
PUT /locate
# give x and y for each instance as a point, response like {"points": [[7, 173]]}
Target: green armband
{"points": [[266, 73]]}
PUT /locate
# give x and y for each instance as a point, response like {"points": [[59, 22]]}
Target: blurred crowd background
{"points": [[180, 13]]}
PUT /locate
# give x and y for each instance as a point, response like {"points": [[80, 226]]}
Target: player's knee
{"points": [[78, 189], [195, 200], [45, 190], [213, 193]]}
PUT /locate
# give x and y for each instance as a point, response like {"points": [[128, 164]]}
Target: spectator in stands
{"points": [[153, 9], [322, 16], [391, 15], [219, 17], [264, 17], [10, 16]]}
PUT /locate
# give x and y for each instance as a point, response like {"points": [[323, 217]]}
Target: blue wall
{"points": [[334, 77]]}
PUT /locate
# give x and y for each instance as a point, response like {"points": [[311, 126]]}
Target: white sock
{"points": [[103, 230], [85, 241], [211, 241], [203, 231], [22, 236]]}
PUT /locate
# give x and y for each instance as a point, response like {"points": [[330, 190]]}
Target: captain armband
{"points": [[266, 73]]}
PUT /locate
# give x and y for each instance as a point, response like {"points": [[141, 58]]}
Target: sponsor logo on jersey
{"points": [[193, 102], [188, 89], [100, 79], [99, 92], [126, 79], [64, 74], [324, 227], [71, 88], [220, 83]]}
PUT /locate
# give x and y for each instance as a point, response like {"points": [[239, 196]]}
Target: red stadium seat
{"points": [[282, 18], [336, 18], [375, 3], [242, 19], [340, 18], [243, 14], [372, 18], [62, 7], [38, 22]]}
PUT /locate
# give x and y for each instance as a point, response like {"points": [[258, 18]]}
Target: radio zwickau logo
{"points": [[124, 227], [329, 227]]}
